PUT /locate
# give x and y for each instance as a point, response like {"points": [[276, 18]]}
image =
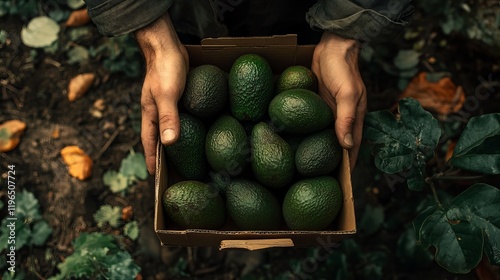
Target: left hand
{"points": [[335, 63]]}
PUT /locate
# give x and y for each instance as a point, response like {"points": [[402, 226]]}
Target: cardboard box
{"points": [[280, 52]]}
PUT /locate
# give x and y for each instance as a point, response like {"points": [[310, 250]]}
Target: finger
{"points": [[149, 131], [357, 132], [345, 118], [168, 118]]}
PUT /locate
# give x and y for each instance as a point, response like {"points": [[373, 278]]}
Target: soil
{"points": [[34, 90]]}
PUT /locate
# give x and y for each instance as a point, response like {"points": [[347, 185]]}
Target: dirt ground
{"points": [[34, 89]]}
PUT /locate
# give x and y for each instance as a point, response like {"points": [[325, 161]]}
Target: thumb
{"points": [[346, 114], [169, 120]]}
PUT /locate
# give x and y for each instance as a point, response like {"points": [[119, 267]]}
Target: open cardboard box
{"points": [[280, 52]]}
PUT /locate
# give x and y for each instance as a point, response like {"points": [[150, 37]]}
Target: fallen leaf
{"points": [[79, 85], [56, 133], [100, 104], [75, 4], [10, 134], [79, 163], [78, 18], [443, 96], [127, 213], [41, 32]]}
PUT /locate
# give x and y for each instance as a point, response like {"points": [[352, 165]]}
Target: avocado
{"points": [[318, 154], [313, 203], [297, 76], [272, 158], [252, 206], [187, 155], [250, 87], [194, 205], [206, 90], [299, 111], [227, 147]]}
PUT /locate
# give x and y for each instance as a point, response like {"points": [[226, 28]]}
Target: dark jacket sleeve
{"points": [[118, 17], [364, 20]]}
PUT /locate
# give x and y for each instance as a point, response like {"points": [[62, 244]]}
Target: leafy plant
{"points": [[467, 226], [108, 214], [131, 230], [477, 20], [132, 168], [97, 256], [29, 226], [121, 54], [23, 8]]}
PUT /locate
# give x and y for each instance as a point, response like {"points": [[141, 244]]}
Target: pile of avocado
{"points": [[254, 153]]}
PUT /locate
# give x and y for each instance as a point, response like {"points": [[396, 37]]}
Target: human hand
{"points": [[335, 63], [167, 64]]}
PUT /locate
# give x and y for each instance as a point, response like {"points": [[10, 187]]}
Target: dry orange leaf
{"points": [[56, 133], [127, 213], [79, 163], [79, 85], [78, 18], [10, 134], [443, 96]]}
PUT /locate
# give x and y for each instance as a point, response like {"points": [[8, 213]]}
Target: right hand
{"points": [[167, 65]]}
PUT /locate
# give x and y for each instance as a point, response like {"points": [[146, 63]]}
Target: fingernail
{"points": [[168, 135], [348, 140]]}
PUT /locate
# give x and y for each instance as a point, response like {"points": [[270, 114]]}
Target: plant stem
{"points": [[457, 177], [434, 192]]}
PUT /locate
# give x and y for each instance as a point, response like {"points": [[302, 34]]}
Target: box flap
{"points": [[276, 40]]}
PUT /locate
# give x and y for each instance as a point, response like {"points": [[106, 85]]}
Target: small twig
{"points": [[108, 143], [434, 193], [457, 177]]}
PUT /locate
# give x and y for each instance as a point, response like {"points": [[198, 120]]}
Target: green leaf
{"points": [[41, 231], [134, 166], [460, 230], [41, 32], [121, 266], [7, 275], [404, 142], [78, 33], [131, 230], [3, 37], [374, 263], [372, 220], [59, 15], [115, 181], [480, 205], [75, 4], [91, 252], [27, 207], [89, 241], [23, 234], [459, 245], [410, 254], [77, 54], [477, 148], [108, 214], [407, 59]]}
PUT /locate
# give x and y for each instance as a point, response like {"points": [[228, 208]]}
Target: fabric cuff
{"points": [[119, 17], [366, 25]]}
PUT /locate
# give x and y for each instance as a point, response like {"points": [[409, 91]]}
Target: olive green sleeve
{"points": [[118, 17], [364, 20]]}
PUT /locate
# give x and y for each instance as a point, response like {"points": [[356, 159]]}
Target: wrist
{"points": [[340, 43], [157, 39]]}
